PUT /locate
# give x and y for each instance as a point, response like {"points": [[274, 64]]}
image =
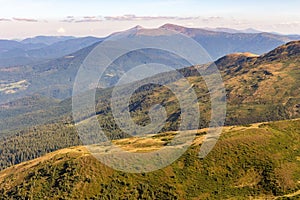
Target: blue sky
{"points": [[23, 18]]}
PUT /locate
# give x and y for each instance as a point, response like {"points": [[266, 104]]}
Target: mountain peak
{"points": [[242, 54], [286, 51], [138, 27], [235, 59], [173, 27], [169, 25]]}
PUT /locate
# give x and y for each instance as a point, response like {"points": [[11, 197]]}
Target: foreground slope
{"points": [[255, 161]]}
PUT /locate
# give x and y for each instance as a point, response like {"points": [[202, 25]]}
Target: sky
{"points": [[27, 18]]}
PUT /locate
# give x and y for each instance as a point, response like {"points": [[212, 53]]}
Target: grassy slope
{"points": [[256, 161]]}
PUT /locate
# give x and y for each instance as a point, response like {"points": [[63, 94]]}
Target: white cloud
{"points": [[71, 19], [88, 20], [61, 30], [4, 20]]}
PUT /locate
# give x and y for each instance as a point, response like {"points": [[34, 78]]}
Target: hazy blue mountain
{"points": [[63, 47], [231, 30], [55, 77], [48, 40], [7, 45], [218, 44], [19, 53]]}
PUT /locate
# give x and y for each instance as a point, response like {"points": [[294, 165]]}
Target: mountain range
{"points": [[59, 62], [230, 30], [218, 42], [47, 40], [42, 48]]}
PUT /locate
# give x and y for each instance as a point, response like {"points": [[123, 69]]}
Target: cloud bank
{"points": [[25, 19], [129, 17]]}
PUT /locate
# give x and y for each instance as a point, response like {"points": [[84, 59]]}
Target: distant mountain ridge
{"points": [[217, 41], [48, 40], [230, 30], [58, 74], [7, 45], [218, 44], [39, 49]]}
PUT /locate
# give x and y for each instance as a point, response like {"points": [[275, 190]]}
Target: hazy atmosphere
{"points": [[149, 99], [20, 19]]}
